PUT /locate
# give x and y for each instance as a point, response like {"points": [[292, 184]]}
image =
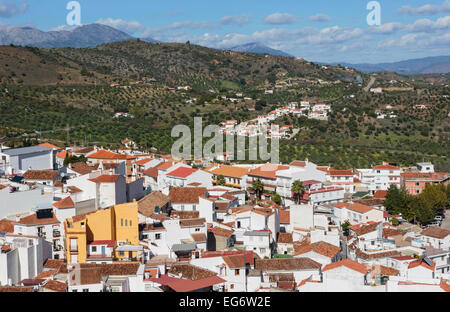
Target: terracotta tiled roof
{"points": [[217, 231], [84, 150], [249, 254], [146, 206], [108, 243], [421, 262], [322, 248], [334, 172], [436, 232], [64, 203], [385, 271], [190, 272], [285, 238], [192, 222], [6, 226], [181, 172], [287, 264], [82, 168], [48, 145], [431, 176], [185, 214], [353, 265], [46, 274], [102, 154], [106, 178], [234, 261], [230, 171], [298, 163], [391, 232], [267, 171], [53, 264], [199, 237], [354, 207], [386, 167], [186, 195], [143, 161], [55, 286], [285, 217], [377, 255], [121, 269], [16, 289], [380, 194], [166, 165], [63, 154], [41, 175], [73, 190], [33, 220], [362, 229]]}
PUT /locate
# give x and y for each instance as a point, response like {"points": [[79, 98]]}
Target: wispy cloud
{"points": [[11, 8], [130, 27], [280, 19], [235, 20], [428, 9], [320, 18]]}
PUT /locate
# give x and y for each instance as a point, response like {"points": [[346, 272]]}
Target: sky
{"points": [[319, 31]]}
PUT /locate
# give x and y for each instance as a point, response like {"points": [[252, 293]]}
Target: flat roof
{"points": [[26, 150]]}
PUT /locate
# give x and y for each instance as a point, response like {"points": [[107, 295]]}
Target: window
{"points": [[121, 222], [82, 225], [130, 222], [194, 207], [236, 272], [86, 290], [197, 230], [121, 253], [158, 236], [232, 286], [94, 249], [182, 207], [126, 222], [75, 290], [73, 244]]}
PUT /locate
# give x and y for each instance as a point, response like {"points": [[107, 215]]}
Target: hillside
{"points": [[168, 63]]}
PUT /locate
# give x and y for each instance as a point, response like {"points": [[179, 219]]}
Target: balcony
{"points": [[42, 235], [57, 248], [56, 233]]}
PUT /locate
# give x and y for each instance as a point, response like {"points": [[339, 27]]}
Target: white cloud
{"points": [[10, 8], [235, 20], [320, 18], [280, 19], [131, 28], [428, 9]]}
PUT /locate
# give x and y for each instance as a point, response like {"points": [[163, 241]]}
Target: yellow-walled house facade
{"points": [[118, 223]]}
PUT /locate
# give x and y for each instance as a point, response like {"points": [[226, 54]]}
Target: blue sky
{"points": [[320, 30]]}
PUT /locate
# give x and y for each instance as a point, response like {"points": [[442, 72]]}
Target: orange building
{"points": [[415, 182], [118, 223]]}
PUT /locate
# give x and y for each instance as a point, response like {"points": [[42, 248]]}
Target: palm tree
{"points": [[220, 180], [298, 189], [258, 187]]}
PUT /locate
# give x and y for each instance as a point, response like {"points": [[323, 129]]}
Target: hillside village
{"points": [[89, 219]]}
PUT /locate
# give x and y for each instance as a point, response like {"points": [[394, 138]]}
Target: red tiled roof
{"points": [[386, 167], [41, 175], [143, 161], [182, 172], [285, 238], [436, 232], [380, 194], [185, 285], [353, 265], [63, 154], [55, 286], [297, 163], [420, 262], [221, 232], [234, 261], [6, 226], [334, 172], [267, 171], [285, 216], [33, 220], [166, 165], [106, 178], [64, 203], [354, 207], [186, 195], [322, 248], [431, 176], [102, 154], [249, 255], [108, 243], [48, 145]]}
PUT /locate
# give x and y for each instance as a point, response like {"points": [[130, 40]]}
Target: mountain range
{"points": [[427, 65], [92, 35], [257, 47]]}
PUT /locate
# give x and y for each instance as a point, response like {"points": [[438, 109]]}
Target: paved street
{"points": [[446, 222]]}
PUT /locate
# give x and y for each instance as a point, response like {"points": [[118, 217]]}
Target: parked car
{"points": [[438, 218], [434, 223]]}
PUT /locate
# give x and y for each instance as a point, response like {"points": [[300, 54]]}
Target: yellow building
{"points": [[118, 223]]}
